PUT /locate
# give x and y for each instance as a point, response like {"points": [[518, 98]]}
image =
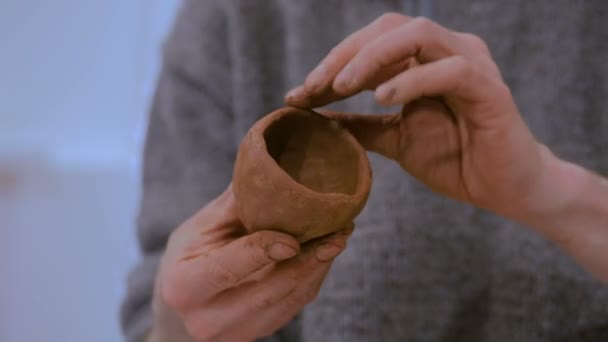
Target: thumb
{"points": [[376, 133]]}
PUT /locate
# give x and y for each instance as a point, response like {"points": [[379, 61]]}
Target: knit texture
{"points": [[419, 267]]}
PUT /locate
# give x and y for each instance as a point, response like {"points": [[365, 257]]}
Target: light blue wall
{"points": [[75, 80]]}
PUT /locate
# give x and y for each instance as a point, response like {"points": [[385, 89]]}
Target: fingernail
{"points": [[345, 79], [328, 251], [281, 251], [316, 77], [294, 94]]}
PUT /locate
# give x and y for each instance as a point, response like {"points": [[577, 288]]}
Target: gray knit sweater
{"points": [[419, 267]]}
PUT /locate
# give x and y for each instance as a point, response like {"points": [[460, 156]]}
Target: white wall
{"points": [[75, 80]]}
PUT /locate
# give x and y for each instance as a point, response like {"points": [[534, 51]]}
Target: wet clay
{"points": [[300, 173]]}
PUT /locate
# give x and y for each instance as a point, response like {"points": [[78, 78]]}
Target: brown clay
{"points": [[300, 173]]}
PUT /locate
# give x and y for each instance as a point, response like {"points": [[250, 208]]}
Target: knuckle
{"points": [[391, 18], [172, 289], [219, 276], [333, 53], [476, 42], [256, 246], [173, 237], [378, 63], [203, 328], [303, 297], [462, 73], [339, 238], [172, 296], [264, 238], [503, 92], [463, 67], [296, 300], [423, 25], [255, 240], [264, 303], [370, 61], [310, 295], [506, 91]]}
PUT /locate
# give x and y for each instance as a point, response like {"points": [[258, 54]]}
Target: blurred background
{"points": [[75, 82]]}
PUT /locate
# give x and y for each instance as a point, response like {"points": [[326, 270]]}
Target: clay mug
{"points": [[301, 173]]}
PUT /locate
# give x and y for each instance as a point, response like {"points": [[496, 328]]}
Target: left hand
{"points": [[219, 282], [459, 130]]}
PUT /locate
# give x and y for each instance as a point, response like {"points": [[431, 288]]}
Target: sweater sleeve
{"points": [[190, 145]]}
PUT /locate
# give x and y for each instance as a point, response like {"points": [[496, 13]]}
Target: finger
{"points": [[474, 42], [199, 277], [317, 90], [455, 78], [419, 38], [305, 292], [300, 97], [292, 283], [260, 274], [282, 312], [478, 51], [376, 133], [322, 76], [305, 98]]}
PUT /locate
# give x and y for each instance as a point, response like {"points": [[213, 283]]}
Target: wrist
{"points": [[578, 219], [567, 195], [553, 196]]}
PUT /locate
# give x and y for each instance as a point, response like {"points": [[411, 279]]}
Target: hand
{"points": [[223, 285], [459, 130]]}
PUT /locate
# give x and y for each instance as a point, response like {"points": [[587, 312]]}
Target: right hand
{"points": [[459, 130], [216, 283]]}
